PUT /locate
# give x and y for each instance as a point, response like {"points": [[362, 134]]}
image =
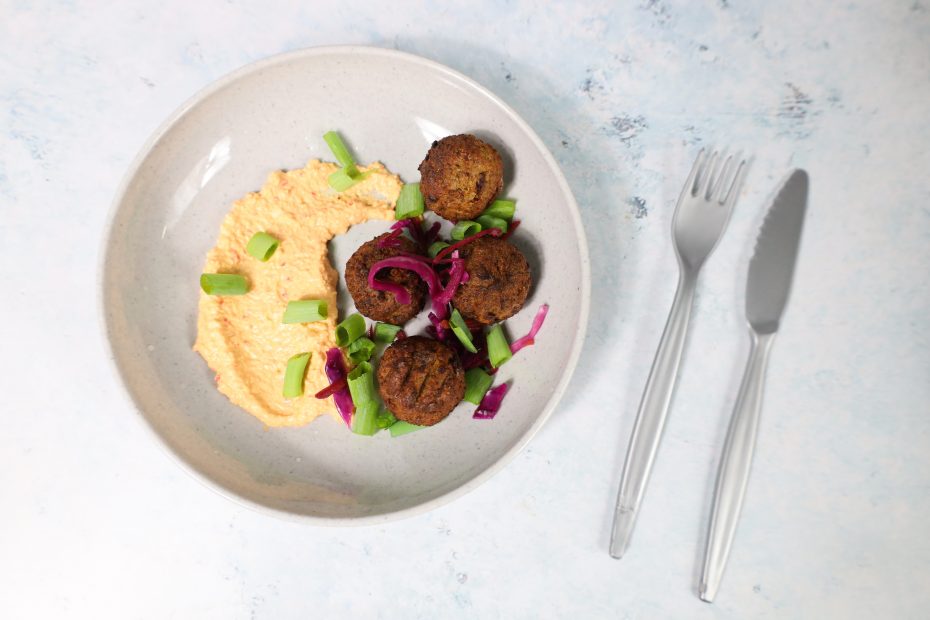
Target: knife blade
{"points": [[772, 266], [771, 271]]}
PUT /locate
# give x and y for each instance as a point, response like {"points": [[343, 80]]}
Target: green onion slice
{"points": [[503, 209], [261, 246], [306, 311], [465, 228], [341, 181], [350, 330], [224, 284], [402, 428], [436, 247], [294, 375], [477, 383], [461, 331], [361, 350], [385, 332], [341, 153], [386, 419], [365, 418], [498, 347], [409, 203], [362, 384], [489, 221]]}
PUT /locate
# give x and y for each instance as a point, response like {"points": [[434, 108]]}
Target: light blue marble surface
{"points": [[96, 522]]}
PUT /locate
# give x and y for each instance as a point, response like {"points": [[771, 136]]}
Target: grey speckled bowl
{"points": [[222, 144]]}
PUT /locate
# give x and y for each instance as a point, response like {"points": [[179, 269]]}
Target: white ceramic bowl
{"points": [[222, 144]]}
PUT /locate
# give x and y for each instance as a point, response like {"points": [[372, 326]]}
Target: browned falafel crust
{"points": [[498, 281], [381, 305], [420, 380], [460, 176]]}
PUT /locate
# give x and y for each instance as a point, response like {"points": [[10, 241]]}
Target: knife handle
{"points": [[735, 464], [650, 419]]}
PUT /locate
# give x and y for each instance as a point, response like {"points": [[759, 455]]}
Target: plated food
{"points": [[268, 291]]}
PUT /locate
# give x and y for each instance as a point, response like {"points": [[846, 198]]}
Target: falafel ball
{"points": [[420, 380], [460, 176], [381, 305], [498, 281]]}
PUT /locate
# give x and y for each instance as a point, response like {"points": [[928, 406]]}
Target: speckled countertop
{"points": [[96, 522]]}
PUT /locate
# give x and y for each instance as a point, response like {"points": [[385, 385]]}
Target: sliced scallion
{"points": [[305, 311], [341, 153], [365, 418], [498, 347], [362, 384], [503, 209], [402, 428], [489, 221], [477, 383], [461, 331], [350, 330], [294, 375], [409, 203], [436, 247], [385, 332], [465, 228], [224, 284], [361, 350], [261, 246], [341, 180], [386, 419]]}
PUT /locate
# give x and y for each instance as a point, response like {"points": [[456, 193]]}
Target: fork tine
{"points": [[734, 186], [707, 175], [716, 189], [690, 186]]}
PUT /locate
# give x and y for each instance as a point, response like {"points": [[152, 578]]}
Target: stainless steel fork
{"points": [[701, 216]]}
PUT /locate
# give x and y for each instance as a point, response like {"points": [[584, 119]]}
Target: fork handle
{"points": [[735, 464], [653, 410]]}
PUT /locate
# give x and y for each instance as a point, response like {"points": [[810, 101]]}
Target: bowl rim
{"points": [[284, 58]]}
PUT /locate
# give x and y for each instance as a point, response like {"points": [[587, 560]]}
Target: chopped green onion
{"points": [[305, 311], [365, 418], [402, 428], [498, 347], [361, 350], [224, 284], [261, 246], [489, 221], [477, 383], [409, 203], [341, 181], [341, 153], [465, 228], [362, 384], [461, 331], [503, 209], [386, 419], [294, 375], [385, 332], [436, 247], [350, 329]]}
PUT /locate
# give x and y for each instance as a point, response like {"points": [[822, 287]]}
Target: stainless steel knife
{"points": [[770, 273]]}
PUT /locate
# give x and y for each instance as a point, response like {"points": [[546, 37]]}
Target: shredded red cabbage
{"points": [[529, 339], [391, 240], [331, 389], [494, 232], [439, 332], [432, 234], [511, 229], [413, 225], [440, 295], [336, 371], [491, 403]]}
